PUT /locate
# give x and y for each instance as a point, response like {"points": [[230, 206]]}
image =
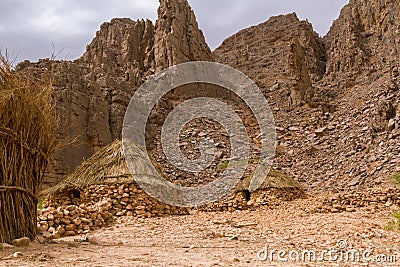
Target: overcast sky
{"points": [[29, 28]]}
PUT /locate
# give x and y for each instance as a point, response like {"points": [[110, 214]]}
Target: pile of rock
{"points": [[73, 219], [350, 201], [237, 201], [129, 200], [121, 199], [74, 212], [271, 198]]}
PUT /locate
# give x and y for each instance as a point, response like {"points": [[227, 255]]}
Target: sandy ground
{"points": [[228, 239]]}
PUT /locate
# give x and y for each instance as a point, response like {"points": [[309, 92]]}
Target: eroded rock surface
{"points": [[93, 91]]}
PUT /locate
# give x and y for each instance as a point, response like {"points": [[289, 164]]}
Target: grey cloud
{"points": [[29, 27], [220, 19]]}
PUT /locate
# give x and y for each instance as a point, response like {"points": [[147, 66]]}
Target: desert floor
{"points": [[228, 239]]}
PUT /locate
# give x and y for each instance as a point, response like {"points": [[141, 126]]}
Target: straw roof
{"points": [[275, 179], [105, 166], [108, 166]]}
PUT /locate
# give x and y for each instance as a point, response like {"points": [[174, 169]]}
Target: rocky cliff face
{"points": [[364, 39], [116, 63], [93, 92], [347, 134], [283, 54], [335, 99]]}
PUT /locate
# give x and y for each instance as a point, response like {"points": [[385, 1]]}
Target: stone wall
{"points": [[73, 212], [350, 201]]}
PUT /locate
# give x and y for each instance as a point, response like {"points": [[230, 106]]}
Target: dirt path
{"points": [[227, 239]]}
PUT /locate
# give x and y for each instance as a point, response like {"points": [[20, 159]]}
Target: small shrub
{"points": [[396, 178], [394, 225], [223, 165], [40, 204]]}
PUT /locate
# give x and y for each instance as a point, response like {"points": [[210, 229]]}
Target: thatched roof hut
{"points": [[275, 179], [108, 166]]}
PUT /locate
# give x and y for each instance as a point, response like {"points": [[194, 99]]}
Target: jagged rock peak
{"points": [[178, 38], [93, 92], [264, 53], [365, 38], [120, 42]]}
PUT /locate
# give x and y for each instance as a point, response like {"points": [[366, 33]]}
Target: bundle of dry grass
{"points": [[27, 138]]}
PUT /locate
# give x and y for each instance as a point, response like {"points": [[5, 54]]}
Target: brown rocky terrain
{"points": [[225, 239], [335, 99], [336, 103], [364, 41], [93, 91], [271, 53]]}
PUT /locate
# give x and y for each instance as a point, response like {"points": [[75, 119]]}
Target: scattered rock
{"points": [[21, 242], [17, 254], [294, 129], [95, 241], [373, 198], [6, 246], [321, 131]]}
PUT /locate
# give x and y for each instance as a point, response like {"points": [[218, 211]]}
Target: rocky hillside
{"points": [[280, 52], [335, 99], [93, 91], [364, 40]]}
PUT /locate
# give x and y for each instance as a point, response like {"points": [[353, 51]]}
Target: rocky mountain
{"points": [[282, 52], [364, 40], [93, 91], [335, 99]]}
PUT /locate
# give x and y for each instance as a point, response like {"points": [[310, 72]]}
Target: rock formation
{"points": [[364, 39], [336, 100], [283, 54], [348, 134], [301, 87], [93, 91], [177, 36]]}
